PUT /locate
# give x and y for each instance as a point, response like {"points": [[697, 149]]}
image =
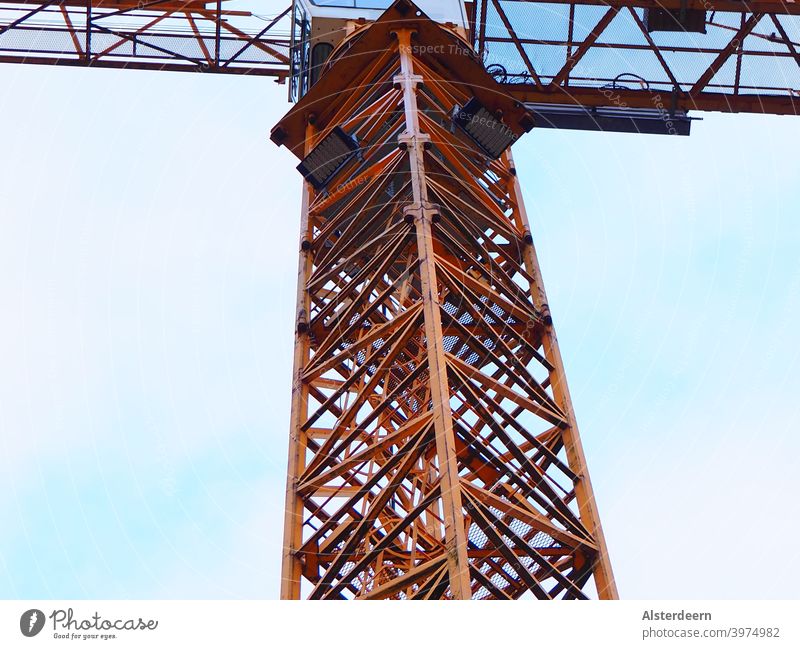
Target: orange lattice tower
{"points": [[433, 447]]}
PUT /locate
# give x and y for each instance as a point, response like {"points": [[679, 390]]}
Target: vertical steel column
{"points": [[422, 212], [293, 515]]}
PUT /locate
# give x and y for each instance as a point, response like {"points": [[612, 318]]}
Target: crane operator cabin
{"points": [[319, 27]]}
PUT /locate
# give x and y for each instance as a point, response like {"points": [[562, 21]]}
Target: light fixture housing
{"points": [[485, 129], [328, 157], [618, 120]]}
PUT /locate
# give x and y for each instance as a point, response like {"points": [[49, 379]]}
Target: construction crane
{"points": [[434, 452]]}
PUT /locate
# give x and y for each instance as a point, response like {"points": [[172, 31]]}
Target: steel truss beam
{"points": [[594, 53], [172, 35], [589, 53], [433, 448]]}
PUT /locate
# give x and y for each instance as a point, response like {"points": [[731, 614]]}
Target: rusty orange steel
{"points": [[433, 447], [433, 451]]}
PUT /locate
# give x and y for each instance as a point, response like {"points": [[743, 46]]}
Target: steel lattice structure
{"points": [[434, 451], [601, 53], [593, 53], [174, 35]]}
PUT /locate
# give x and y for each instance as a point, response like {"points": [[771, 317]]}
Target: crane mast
{"points": [[434, 452], [433, 447]]}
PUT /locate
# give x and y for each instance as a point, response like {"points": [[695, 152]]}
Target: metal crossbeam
{"points": [[601, 54], [589, 53], [188, 36]]}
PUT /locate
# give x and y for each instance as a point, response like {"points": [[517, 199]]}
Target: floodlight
{"points": [[485, 129], [330, 155]]}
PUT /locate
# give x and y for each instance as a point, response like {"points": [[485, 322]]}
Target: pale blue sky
{"points": [[148, 233]]}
